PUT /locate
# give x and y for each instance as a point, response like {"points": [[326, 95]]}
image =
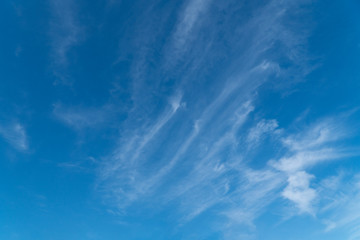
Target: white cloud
{"points": [[313, 145], [324, 132], [79, 117], [204, 144], [340, 204], [65, 29], [299, 191], [65, 33], [122, 171], [305, 159], [15, 134], [263, 127], [188, 19], [175, 103], [255, 192]]}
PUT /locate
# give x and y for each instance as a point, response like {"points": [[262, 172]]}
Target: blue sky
{"points": [[195, 119]]}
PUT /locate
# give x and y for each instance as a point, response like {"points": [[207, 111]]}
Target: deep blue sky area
{"points": [[182, 120]]}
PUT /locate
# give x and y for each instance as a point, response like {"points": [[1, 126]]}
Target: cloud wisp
{"points": [[65, 32], [15, 134], [81, 117], [165, 118], [188, 20], [203, 144], [317, 144], [197, 151]]}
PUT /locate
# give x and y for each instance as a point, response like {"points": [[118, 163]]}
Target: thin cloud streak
{"points": [[128, 157], [65, 29], [308, 148], [340, 204], [186, 23], [79, 117], [299, 191], [65, 33], [15, 134], [209, 153]]}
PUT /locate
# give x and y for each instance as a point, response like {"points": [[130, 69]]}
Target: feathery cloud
{"points": [[80, 118], [299, 191], [308, 148], [263, 127], [15, 134], [65, 33], [194, 158], [187, 21]]}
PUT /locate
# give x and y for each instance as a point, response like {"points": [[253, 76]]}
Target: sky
{"points": [[181, 120]]}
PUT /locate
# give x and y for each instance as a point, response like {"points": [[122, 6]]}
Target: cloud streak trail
{"points": [[210, 142], [15, 134]]}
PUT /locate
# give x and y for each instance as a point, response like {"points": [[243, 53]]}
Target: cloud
{"points": [[311, 146], [168, 167], [188, 19], [263, 127], [122, 170], [15, 134], [193, 159], [340, 196], [80, 117], [255, 192], [65, 29], [305, 159], [175, 103], [324, 132], [299, 191], [65, 33]]}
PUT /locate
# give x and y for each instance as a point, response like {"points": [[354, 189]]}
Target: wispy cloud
{"points": [[340, 204], [194, 158], [263, 127], [187, 21], [316, 144], [312, 146], [80, 117], [201, 127], [326, 131], [175, 103], [299, 191], [128, 159], [15, 134], [257, 190], [65, 32]]}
